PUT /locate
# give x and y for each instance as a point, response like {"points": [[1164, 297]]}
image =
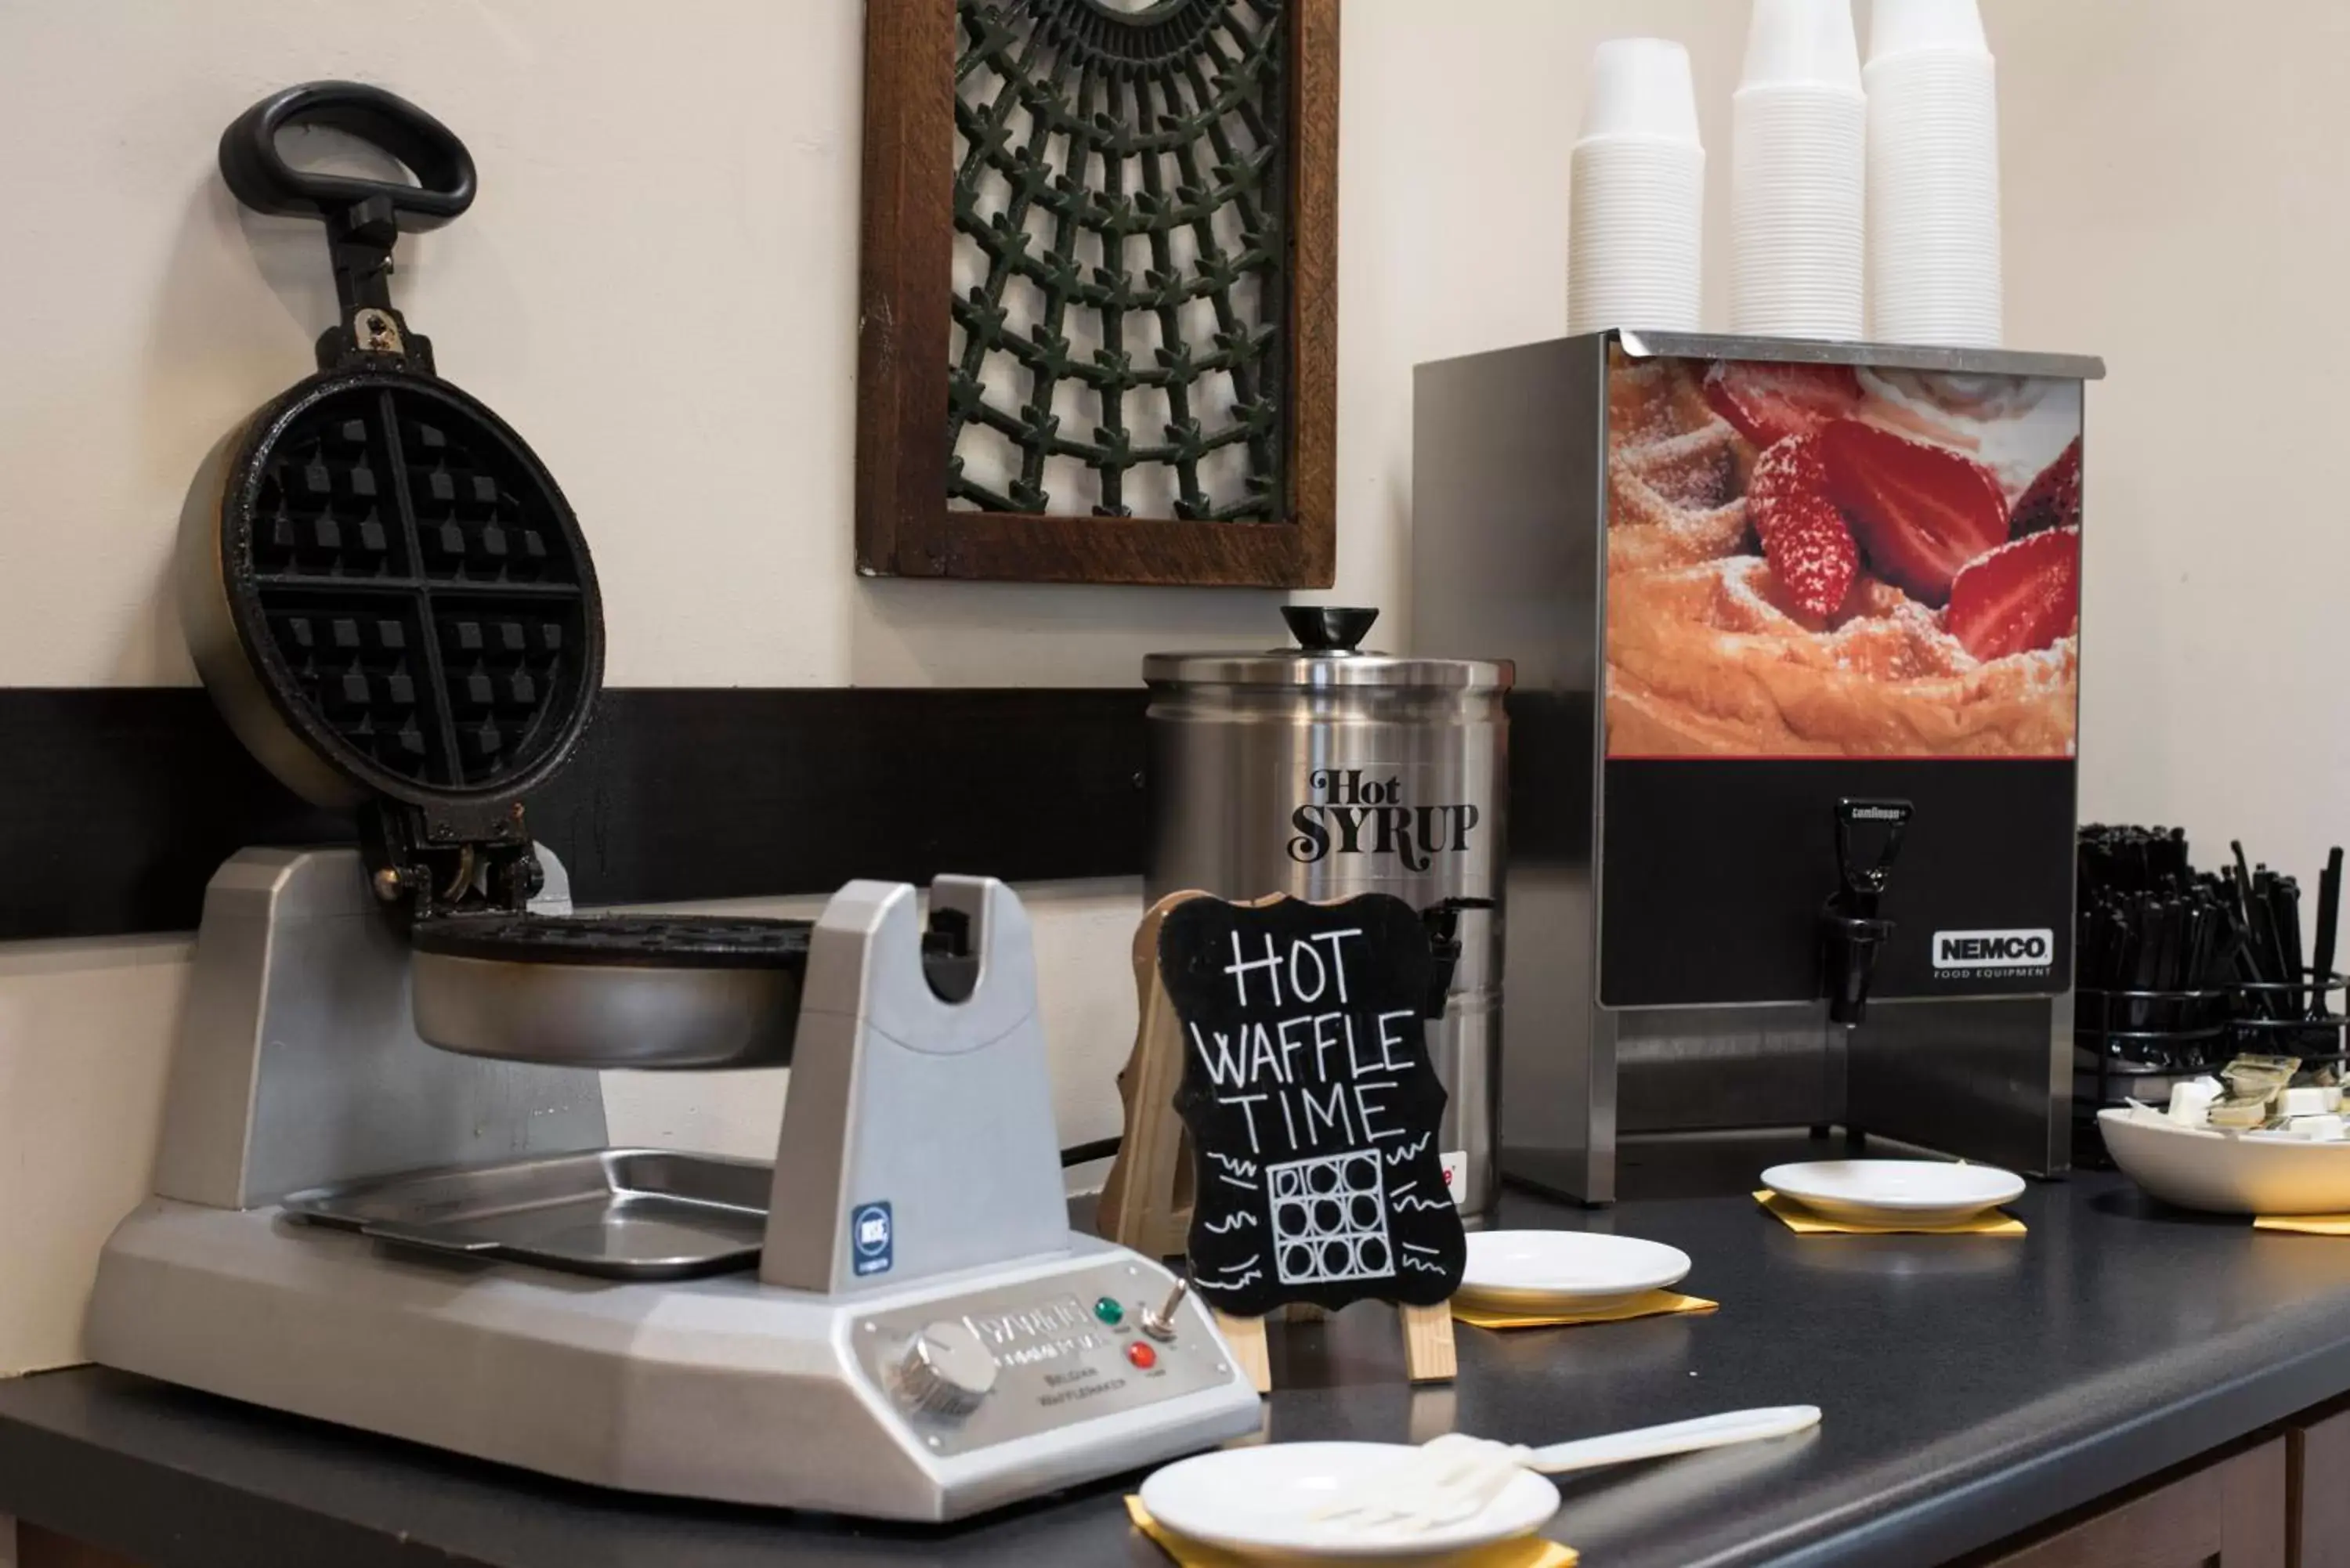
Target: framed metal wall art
{"points": [[1098, 334]]}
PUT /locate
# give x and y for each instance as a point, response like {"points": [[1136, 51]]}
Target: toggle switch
{"points": [[1159, 1321]]}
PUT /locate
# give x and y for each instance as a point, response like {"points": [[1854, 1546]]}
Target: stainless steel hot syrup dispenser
{"points": [[1324, 771]]}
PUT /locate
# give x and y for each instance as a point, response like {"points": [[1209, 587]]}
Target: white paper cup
{"points": [[1660, 297], [1641, 88], [1944, 329], [1942, 312], [1933, 93], [1802, 42], [1933, 205], [1616, 178], [1900, 26], [1798, 199], [1636, 219]]}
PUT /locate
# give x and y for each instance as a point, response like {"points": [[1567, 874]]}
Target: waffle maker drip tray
{"points": [[615, 1213]]}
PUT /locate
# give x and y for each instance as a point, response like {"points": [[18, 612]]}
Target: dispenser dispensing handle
{"points": [[1851, 932], [1442, 920], [1887, 821]]}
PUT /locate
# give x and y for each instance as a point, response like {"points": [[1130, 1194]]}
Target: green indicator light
{"points": [[1109, 1311]]}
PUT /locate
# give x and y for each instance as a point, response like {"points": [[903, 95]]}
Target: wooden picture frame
{"points": [[905, 526]]}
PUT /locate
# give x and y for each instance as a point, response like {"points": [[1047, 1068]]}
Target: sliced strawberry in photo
{"points": [[2020, 596], [2053, 500], [1919, 512], [1804, 535], [1768, 403]]}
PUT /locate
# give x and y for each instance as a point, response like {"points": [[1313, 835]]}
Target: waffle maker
{"points": [[383, 1194]]}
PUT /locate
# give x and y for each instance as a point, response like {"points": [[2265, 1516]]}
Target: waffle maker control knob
{"points": [[947, 1371]]}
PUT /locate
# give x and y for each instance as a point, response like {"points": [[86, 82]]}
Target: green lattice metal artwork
{"points": [[1119, 341]]}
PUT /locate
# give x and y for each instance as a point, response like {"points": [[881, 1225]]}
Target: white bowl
{"points": [[1899, 1191], [2228, 1172]]}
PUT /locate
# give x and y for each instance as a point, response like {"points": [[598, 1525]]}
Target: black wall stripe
{"points": [[116, 805]]}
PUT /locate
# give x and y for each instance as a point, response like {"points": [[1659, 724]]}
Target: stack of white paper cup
{"points": [[1933, 175], [1637, 212], [1797, 174]]}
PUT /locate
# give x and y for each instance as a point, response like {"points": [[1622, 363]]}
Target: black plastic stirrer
{"points": [[2329, 900]]}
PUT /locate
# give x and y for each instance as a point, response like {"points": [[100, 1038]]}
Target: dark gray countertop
{"points": [[1972, 1387]]}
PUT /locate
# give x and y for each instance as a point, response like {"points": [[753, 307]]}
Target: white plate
{"points": [[1894, 1191], [2227, 1172], [1259, 1502], [1565, 1268]]}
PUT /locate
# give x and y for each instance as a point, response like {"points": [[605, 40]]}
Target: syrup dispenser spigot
{"points": [[1442, 920], [1851, 931]]}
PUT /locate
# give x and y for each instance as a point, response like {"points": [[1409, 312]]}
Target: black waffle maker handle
{"points": [[262, 179], [363, 217]]}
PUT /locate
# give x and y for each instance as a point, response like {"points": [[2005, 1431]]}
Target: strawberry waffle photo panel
{"points": [[1840, 560]]}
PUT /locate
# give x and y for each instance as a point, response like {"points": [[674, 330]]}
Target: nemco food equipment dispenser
{"points": [[1796, 630]]}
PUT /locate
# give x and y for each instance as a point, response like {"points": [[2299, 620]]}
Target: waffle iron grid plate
{"points": [[412, 586]]}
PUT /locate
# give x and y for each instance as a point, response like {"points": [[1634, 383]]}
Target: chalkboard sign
{"points": [[1311, 1103]]}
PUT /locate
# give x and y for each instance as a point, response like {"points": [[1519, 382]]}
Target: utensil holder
{"points": [[2281, 1018], [2133, 1039], [2138, 1043]]}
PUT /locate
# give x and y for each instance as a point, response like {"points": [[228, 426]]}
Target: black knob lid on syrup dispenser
{"points": [[1325, 654], [1328, 629], [1867, 838]]}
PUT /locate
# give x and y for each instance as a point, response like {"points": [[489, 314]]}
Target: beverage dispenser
{"points": [[1326, 770], [1797, 647]]}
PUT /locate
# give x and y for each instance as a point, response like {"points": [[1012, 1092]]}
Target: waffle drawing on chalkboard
{"points": [[1329, 1219], [1311, 1103]]}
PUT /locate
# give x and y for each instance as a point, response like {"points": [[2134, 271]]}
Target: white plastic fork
{"points": [[1455, 1477]]}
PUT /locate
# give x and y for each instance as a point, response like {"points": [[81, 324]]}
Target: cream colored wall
{"points": [[667, 237], [2177, 174]]}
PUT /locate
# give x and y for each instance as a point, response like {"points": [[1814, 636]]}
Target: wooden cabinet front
{"points": [[2319, 1515], [2231, 1514]]}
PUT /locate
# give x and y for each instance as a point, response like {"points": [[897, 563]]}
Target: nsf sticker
{"points": [[1456, 1171], [868, 1238]]}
